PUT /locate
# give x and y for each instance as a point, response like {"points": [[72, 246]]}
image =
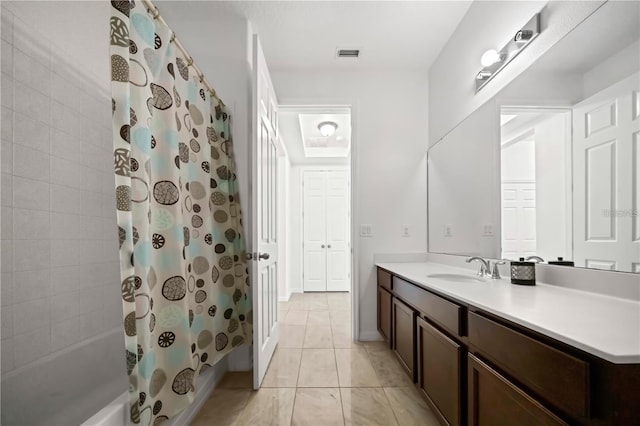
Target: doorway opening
{"points": [[315, 200], [536, 178]]}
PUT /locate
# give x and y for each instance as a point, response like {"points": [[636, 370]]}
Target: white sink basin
{"points": [[457, 278]]}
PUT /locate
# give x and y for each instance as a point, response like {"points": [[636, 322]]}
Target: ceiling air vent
{"points": [[347, 53]]}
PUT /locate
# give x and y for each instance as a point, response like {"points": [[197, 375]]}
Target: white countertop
{"points": [[605, 326]]}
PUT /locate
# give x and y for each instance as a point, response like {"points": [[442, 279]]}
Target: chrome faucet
{"points": [[495, 269], [537, 259], [485, 267]]}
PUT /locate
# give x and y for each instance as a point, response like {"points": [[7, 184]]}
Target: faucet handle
{"points": [[495, 271]]}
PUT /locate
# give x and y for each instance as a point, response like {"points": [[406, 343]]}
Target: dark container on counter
{"points": [[562, 262], [523, 272]]}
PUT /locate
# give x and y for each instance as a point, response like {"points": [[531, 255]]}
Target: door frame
{"points": [[293, 104], [314, 168]]}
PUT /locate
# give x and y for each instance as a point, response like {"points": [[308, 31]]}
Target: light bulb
{"points": [[327, 128], [489, 58]]}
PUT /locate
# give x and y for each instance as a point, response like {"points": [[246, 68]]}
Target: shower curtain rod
{"points": [[155, 13]]}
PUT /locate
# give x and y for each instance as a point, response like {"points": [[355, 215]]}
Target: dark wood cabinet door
{"points": [[403, 335], [495, 401], [384, 313], [439, 372]]}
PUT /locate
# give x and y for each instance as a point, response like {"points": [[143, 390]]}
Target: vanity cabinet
{"points": [[495, 401], [403, 331], [474, 367], [439, 372]]}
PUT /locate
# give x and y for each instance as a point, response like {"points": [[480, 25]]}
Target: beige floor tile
{"points": [[283, 369], [237, 380], [410, 407], [296, 296], [318, 336], [378, 345], [291, 336], [366, 406], [295, 317], [342, 337], [222, 408], [297, 305], [340, 318], [355, 369], [319, 318], [317, 406], [316, 297], [268, 407], [318, 369], [388, 368], [317, 305]]}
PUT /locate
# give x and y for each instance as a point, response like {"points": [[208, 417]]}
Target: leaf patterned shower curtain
{"points": [[185, 286]]}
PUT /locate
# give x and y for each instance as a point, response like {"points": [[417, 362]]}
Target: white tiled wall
{"points": [[60, 272]]}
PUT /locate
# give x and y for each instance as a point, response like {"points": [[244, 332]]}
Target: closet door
{"points": [[314, 240], [606, 158], [338, 251]]}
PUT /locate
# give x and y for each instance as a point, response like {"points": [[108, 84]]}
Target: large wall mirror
{"points": [[551, 165]]}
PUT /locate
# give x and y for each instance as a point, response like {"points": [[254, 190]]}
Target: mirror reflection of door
{"points": [[536, 182]]}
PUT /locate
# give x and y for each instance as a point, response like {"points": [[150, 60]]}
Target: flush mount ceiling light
{"points": [[494, 61], [327, 128]]}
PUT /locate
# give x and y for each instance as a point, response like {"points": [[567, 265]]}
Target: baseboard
{"points": [[370, 336], [206, 384]]}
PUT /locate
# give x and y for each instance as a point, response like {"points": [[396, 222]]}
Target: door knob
{"points": [[329, 246], [264, 256], [322, 246]]}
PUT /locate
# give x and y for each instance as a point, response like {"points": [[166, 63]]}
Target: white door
{"points": [[338, 251], [606, 165], [326, 245], [264, 219], [518, 219], [314, 243]]}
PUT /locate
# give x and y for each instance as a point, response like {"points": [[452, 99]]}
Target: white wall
{"points": [[614, 69], [553, 187], [517, 161], [285, 254], [489, 24], [390, 132]]}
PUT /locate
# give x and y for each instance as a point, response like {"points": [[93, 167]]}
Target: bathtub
{"points": [[116, 413]]}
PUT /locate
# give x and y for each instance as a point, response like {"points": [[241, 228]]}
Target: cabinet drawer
{"points": [[557, 377], [494, 401], [384, 279], [446, 314]]}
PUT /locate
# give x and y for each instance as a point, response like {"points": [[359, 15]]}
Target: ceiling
{"points": [[304, 35], [317, 145], [302, 139]]}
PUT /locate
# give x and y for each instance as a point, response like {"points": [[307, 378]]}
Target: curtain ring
{"points": [[201, 77], [190, 61], [157, 12], [173, 38]]}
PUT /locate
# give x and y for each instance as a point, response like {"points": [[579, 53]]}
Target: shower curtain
{"points": [[185, 286]]}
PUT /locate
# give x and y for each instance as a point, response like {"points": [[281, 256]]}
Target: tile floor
{"points": [[319, 377]]}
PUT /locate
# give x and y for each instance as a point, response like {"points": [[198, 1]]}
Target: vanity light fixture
{"points": [[327, 128], [489, 58], [493, 61]]}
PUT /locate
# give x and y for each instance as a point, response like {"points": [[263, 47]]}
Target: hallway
{"points": [[319, 377]]}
